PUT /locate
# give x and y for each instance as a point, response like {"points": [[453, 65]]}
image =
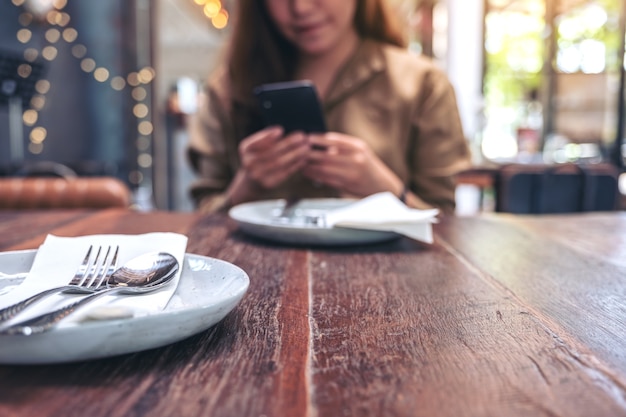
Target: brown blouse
{"points": [[400, 103]]}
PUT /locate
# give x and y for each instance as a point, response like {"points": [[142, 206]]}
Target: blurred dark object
{"points": [[18, 80], [568, 188], [45, 169], [18, 77], [58, 169]]}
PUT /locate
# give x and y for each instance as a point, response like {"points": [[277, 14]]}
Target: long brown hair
{"points": [[257, 53]]}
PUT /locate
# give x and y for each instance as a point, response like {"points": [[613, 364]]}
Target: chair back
{"points": [[568, 188]]}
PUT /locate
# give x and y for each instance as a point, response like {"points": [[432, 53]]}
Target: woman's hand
{"points": [[268, 158], [349, 164]]}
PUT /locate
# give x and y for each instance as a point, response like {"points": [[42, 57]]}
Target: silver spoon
{"points": [[142, 274]]}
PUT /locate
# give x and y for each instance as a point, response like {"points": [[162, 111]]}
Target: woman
{"points": [[392, 116]]}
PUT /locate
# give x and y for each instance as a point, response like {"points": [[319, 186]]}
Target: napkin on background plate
{"points": [[384, 211], [58, 258]]}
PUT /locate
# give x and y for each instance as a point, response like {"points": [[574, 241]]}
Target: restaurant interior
{"points": [[118, 298], [107, 88]]}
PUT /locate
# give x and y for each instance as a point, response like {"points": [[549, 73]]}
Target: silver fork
{"points": [[287, 212], [89, 277]]}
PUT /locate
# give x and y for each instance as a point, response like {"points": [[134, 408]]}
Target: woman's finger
{"points": [[277, 175], [272, 164], [338, 142], [262, 139]]}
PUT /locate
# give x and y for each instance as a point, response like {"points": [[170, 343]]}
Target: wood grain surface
{"points": [[502, 316]]}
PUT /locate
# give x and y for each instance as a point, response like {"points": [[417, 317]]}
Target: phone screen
{"points": [[293, 105]]}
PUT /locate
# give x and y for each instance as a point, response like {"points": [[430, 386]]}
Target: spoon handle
{"points": [[11, 311], [47, 321]]}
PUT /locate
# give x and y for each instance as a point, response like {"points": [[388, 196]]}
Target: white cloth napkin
{"points": [[384, 211], [58, 258]]}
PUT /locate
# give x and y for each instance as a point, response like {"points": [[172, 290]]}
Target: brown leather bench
{"points": [[77, 192]]}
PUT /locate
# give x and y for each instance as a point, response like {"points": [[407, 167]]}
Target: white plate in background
{"points": [[261, 219]]}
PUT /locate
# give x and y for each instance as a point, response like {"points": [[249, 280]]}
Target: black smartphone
{"points": [[294, 105]]}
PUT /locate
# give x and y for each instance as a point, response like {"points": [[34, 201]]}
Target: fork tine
{"points": [[101, 271], [88, 268], [113, 265], [83, 269], [108, 266], [94, 269]]}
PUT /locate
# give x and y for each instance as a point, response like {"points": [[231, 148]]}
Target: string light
{"points": [[214, 10], [60, 31], [30, 117], [136, 81]]}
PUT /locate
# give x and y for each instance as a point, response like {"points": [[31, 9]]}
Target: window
{"points": [[553, 80]]}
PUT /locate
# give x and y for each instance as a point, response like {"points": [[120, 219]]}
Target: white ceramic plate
{"points": [[261, 219], [208, 290]]}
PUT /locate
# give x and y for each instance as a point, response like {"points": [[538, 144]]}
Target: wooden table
{"points": [[501, 316]]}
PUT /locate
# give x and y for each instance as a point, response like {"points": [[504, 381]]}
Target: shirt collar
{"points": [[367, 61]]}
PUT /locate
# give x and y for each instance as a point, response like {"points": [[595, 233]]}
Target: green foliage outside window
{"points": [[514, 54], [588, 40]]}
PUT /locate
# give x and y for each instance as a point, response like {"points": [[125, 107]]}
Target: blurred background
{"points": [[106, 87]]}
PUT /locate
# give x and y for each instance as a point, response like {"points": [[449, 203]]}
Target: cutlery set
{"points": [[292, 214], [98, 275]]}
